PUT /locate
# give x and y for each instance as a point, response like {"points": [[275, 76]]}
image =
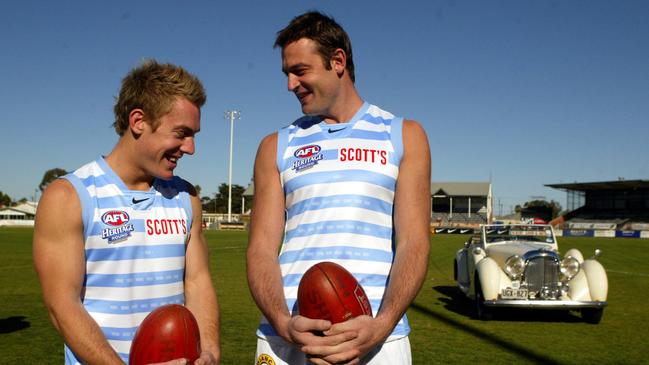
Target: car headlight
{"points": [[569, 267], [514, 267]]}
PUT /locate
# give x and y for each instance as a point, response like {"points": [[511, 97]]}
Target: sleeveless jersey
{"points": [[135, 245], [339, 183]]}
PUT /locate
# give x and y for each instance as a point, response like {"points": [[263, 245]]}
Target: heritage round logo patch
{"points": [[307, 157], [120, 228]]}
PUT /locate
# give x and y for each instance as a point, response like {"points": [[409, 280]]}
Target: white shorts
{"points": [[276, 351]]}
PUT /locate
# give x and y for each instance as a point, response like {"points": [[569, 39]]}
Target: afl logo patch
{"points": [[265, 359], [307, 157], [115, 218], [120, 227], [307, 151]]}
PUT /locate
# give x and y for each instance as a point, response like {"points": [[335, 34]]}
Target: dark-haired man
{"points": [[348, 183]]}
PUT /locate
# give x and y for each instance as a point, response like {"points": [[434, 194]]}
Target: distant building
{"points": [[461, 204], [20, 215]]}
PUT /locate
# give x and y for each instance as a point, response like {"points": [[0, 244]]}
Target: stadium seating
{"points": [[590, 218]]}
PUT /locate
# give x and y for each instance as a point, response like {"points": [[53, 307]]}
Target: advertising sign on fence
{"points": [[588, 225], [627, 234], [605, 233], [578, 232]]}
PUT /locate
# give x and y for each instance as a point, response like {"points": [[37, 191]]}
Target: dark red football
{"points": [[328, 291], [168, 332]]}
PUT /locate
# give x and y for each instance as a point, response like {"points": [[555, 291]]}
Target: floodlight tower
{"points": [[231, 115]]}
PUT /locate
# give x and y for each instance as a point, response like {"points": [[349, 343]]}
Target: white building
{"points": [[20, 215], [464, 204]]}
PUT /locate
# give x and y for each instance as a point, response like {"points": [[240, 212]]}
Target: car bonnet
{"points": [[502, 251]]}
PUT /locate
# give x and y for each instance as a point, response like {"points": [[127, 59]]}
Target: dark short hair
{"points": [[154, 87], [323, 30]]}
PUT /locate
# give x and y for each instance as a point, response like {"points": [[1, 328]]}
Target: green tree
{"points": [[544, 205], [5, 200], [49, 176], [198, 190], [208, 204], [219, 204]]}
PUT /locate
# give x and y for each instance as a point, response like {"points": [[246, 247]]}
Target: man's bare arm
{"points": [[200, 297], [266, 230], [411, 223], [59, 259]]}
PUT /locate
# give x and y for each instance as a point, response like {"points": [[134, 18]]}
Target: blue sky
{"points": [[522, 93]]}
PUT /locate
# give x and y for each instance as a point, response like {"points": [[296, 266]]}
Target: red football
{"points": [[168, 332], [328, 291]]}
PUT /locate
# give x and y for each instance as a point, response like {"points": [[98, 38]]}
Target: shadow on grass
{"points": [[13, 324], [525, 354], [457, 302]]}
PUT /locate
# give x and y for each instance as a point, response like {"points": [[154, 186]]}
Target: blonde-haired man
{"points": [[121, 235]]}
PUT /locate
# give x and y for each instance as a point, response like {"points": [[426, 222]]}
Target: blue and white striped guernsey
{"points": [[135, 245], [339, 181]]}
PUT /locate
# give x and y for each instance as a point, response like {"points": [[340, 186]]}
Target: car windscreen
{"points": [[518, 233]]}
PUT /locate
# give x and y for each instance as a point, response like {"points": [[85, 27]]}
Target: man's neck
{"points": [[121, 161], [345, 107]]}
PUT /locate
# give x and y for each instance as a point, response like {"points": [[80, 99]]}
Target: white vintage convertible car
{"points": [[520, 266]]}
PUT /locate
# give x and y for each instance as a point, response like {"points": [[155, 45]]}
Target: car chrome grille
{"points": [[542, 277]]}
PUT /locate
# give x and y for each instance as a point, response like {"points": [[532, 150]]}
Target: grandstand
{"points": [[620, 205], [460, 204]]}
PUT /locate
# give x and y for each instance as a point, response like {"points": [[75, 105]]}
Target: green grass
{"points": [[443, 330]]}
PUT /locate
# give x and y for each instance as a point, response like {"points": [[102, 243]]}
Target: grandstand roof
{"points": [[603, 185], [28, 208], [23, 210], [460, 188]]}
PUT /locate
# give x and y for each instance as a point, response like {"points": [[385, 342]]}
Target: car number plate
{"points": [[510, 293]]}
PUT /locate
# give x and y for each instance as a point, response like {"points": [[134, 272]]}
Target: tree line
{"points": [[219, 202], [215, 204], [545, 209], [49, 176]]}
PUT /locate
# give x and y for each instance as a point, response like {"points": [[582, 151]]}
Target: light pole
{"points": [[231, 115]]}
